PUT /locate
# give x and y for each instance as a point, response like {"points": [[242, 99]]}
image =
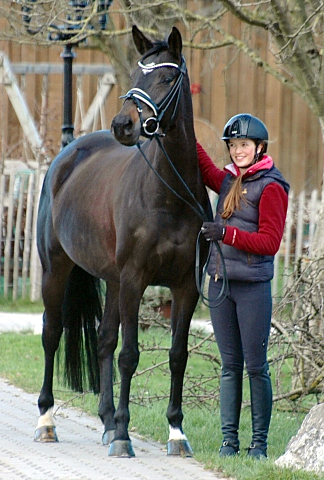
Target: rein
{"points": [[137, 96], [200, 212]]}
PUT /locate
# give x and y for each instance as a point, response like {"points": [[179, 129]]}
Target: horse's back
{"points": [[86, 171], [86, 153]]}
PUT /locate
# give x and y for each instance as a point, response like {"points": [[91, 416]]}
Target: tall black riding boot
{"points": [[230, 409], [261, 406]]}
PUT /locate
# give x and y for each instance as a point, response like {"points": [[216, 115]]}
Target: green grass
{"points": [[21, 305], [22, 364]]}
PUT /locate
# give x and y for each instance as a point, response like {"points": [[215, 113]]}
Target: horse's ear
{"points": [[175, 42], [142, 43]]}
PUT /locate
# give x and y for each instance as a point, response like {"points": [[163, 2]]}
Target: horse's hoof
{"points": [[121, 448], [46, 434], [179, 447], [108, 437]]}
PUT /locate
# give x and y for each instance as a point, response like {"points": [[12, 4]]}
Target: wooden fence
{"points": [[298, 237], [20, 270]]}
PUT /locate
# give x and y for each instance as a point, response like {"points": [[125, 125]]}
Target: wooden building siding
{"points": [[230, 83]]}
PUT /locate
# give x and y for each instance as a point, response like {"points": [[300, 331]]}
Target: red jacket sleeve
{"points": [[272, 216], [212, 175]]}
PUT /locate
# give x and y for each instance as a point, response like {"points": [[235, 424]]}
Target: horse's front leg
{"points": [[107, 343], [183, 306], [130, 297]]}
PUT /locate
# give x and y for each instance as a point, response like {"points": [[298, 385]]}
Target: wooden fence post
{"points": [[7, 248], [17, 237], [313, 212], [288, 236], [2, 188], [28, 233], [35, 265], [300, 226]]}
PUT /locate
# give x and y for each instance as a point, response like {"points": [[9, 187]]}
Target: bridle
{"points": [[151, 126], [138, 95]]}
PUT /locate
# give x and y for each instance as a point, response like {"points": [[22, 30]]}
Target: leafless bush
{"points": [[296, 344]]}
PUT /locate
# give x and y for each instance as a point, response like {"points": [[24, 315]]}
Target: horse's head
{"points": [[150, 107]]}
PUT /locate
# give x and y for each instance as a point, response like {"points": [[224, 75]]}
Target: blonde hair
{"points": [[233, 198]]}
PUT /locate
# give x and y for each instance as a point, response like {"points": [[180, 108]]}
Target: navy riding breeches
{"points": [[242, 324]]}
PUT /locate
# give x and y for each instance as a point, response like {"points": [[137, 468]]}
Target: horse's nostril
{"points": [[122, 125], [128, 128]]}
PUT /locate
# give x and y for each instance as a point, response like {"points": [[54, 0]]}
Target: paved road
{"points": [[17, 322], [79, 455]]}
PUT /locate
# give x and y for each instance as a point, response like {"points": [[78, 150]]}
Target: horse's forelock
{"points": [[158, 47]]}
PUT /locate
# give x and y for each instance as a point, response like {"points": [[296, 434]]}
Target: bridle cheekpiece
{"points": [[150, 127]]}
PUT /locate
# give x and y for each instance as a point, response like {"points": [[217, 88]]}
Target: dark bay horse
{"points": [[105, 213]]}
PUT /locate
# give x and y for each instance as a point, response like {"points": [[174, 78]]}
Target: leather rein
{"points": [[150, 129]]}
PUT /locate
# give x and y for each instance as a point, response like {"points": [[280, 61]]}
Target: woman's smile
{"points": [[242, 152]]}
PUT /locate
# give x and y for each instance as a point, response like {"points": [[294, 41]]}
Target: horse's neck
{"points": [[180, 145]]}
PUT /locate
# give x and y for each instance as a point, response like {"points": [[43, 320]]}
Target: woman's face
{"points": [[242, 151]]}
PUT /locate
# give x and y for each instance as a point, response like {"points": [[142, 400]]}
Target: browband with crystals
{"points": [[149, 67]]}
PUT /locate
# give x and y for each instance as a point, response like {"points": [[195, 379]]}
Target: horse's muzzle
{"points": [[123, 128]]}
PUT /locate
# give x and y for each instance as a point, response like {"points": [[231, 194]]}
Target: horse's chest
{"points": [[167, 249]]}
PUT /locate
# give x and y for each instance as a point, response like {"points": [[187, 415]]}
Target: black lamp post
{"points": [[66, 33], [67, 127]]}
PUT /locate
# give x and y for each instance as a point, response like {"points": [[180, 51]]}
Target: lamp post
{"points": [[67, 127], [67, 33]]}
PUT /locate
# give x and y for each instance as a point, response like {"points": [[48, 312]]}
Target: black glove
{"points": [[213, 231]]}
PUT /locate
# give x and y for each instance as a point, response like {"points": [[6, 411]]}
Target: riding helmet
{"points": [[245, 125]]}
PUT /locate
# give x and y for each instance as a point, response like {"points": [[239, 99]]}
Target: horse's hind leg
{"points": [[53, 287], [107, 343]]}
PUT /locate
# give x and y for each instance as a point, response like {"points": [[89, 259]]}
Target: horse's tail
{"points": [[82, 310]]}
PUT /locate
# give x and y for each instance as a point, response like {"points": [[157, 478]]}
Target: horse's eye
{"points": [[167, 80]]}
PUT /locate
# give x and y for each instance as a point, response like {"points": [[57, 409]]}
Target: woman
{"points": [[250, 219]]}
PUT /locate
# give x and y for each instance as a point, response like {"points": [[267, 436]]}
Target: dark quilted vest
{"points": [[241, 265]]}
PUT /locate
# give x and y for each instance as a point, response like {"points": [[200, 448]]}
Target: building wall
{"points": [[229, 83]]}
